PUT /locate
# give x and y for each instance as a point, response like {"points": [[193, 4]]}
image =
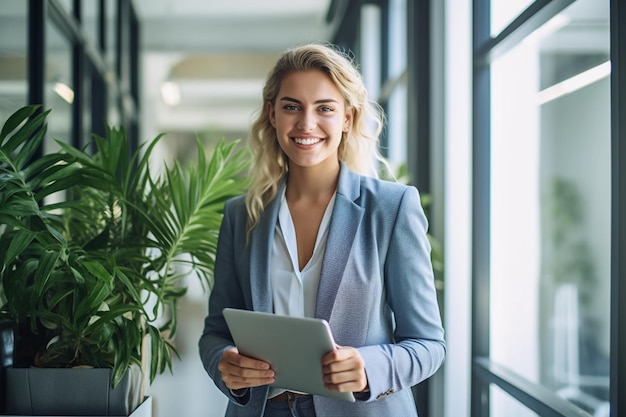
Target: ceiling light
{"points": [[64, 91], [170, 91]]}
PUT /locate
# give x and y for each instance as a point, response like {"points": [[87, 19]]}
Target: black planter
{"points": [[70, 392]]}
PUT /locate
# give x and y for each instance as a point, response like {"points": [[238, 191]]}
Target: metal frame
{"points": [[618, 208], [419, 93], [481, 209], [36, 50], [538, 13], [485, 372], [78, 73], [384, 68], [88, 64], [37, 14], [99, 91], [537, 398]]}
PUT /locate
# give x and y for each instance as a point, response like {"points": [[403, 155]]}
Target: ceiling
{"points": [[216, 55]]}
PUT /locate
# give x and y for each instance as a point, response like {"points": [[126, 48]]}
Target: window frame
{"points": [[88, 65]]}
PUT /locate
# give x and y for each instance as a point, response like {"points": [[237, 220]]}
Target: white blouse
{"points": [[294, 292]]}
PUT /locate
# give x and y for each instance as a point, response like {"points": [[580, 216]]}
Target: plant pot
{"points": [[144, 410], [71, 392]]}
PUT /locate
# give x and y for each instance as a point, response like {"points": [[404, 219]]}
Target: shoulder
{"points": [[235, 209], [235, 203], [357, 187], [384, 188], [382, 200], [388, 199]]}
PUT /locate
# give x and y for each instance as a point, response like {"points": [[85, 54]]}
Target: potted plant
{"points": [[93, 248]]}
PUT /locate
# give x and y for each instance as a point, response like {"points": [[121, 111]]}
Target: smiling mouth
{"points": [[307, 141]]}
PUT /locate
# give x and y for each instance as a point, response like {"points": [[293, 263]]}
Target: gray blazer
{"points": [[376, 291]]}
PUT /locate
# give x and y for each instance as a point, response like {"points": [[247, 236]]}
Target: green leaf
{"points": [[27, 133], [16, 119], [30, 147], [20, 241], [47, 264]]}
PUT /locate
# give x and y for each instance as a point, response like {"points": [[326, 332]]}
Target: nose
{"points": [[306, 121]]}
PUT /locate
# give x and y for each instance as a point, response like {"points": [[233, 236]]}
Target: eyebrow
{"points": [[326, 100]]}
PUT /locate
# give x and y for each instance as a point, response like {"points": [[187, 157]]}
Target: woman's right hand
{"points": [[239, 371]]}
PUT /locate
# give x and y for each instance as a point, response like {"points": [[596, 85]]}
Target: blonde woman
{"points": [[318, 235]]}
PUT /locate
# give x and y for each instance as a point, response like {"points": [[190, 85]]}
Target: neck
{"points": [[312, 183]]}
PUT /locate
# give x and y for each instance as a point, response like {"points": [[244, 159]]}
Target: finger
{"points": [[342, 361], [347, 365], [238, 382], [345, 381], [239, 371], [344, 370], [232, 356], [235, 377], [339, 354]]}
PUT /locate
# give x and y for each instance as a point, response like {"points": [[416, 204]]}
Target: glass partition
{"points": [[59, 88], [13, 57], [551, 207]]}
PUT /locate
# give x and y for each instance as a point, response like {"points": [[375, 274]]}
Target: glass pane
{"points": [[59, 91], [504, 12], [397, 38], [397, 126], [114, 117], [13, 53], [90, 23], [550, 208], [502, 404], [67, 5], [85, 135], [111, 34]]}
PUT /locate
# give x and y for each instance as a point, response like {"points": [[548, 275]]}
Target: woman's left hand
{"points": [[344, 370]]}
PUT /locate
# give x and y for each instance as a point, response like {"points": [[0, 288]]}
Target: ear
{"points": [[271, 113], [347, 124]]}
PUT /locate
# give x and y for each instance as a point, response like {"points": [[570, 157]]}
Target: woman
{"points": [[317, 235]]}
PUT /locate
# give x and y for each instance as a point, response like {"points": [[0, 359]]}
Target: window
{"points": [[550, 206], [543, 217]]}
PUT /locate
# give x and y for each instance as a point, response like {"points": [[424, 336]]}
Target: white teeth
{"points": [[307, 141]]}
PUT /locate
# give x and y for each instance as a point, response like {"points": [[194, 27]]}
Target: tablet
{"points": [[293, 346]]}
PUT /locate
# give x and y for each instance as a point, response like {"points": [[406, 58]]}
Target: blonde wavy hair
{"points": [[359, 146]]}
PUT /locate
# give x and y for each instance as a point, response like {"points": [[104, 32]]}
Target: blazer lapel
{"points": [[261, 240], [343, 226]]}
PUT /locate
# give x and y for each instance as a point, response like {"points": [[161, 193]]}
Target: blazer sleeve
{"points": [[418, 348]]}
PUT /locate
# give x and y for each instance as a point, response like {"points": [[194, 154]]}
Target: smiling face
{"points": [[309, 116]]}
